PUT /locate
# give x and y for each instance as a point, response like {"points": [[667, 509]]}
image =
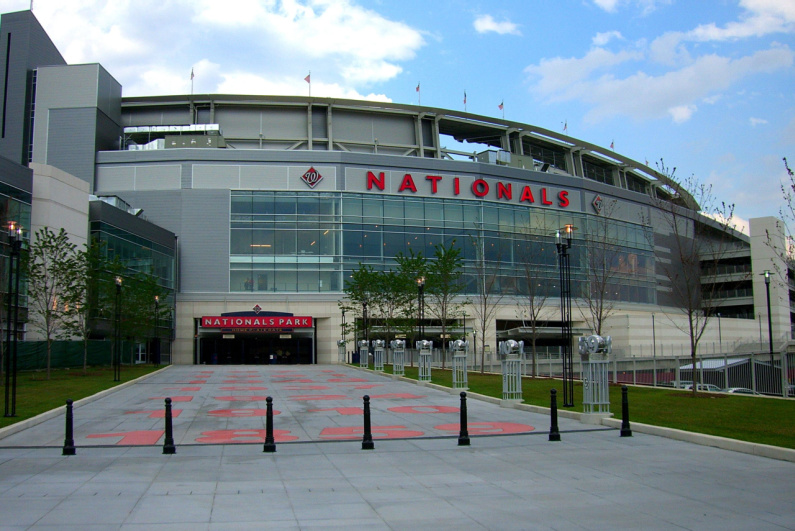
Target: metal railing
{"points": [[755, 371]]}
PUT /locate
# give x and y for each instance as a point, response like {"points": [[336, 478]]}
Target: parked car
{"points": [[741, 391], [707, 388]]}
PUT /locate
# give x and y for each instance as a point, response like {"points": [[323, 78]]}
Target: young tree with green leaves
{"points": [[443, 285], [50, 267]]}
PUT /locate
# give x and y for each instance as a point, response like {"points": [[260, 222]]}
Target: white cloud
{"points": [[600, 39], [669, 94], [756, 121], [646, 6], [339, 40], [486, 24], [760, 18], [682, 113]]}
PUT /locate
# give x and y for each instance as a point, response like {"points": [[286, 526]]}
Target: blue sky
{"points": [[707, 85]]}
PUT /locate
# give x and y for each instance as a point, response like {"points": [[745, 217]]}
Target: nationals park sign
{"points": [[256, 322]]}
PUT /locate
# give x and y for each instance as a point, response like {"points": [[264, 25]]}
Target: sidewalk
{"points": [[320, 477]]}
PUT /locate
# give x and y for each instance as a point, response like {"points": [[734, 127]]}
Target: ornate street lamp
{"points": [[116, 361], [563, 245], [156, 340], [12, 319]]}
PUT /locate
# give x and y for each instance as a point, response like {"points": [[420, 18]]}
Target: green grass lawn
{"points": [[746, 418], [36, 394]]}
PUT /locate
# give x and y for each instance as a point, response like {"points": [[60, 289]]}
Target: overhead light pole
{"points": [[769, 316], [563, 245]]}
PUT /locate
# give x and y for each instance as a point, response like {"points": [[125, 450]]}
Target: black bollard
{"points": [[69, 440], [463, 435], [168, 444], [367, 440], [270, 443], [625, 431], [554, 432]]}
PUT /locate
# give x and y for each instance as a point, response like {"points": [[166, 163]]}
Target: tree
{"points": [[359, 291], [698, 240], [604, 261], [50, 266], [82, 296], [411, 268], [443, 285], [488, 296], [531, 305]]}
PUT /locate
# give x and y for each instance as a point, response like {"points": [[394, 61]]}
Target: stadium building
{"points": [[275, 200]]}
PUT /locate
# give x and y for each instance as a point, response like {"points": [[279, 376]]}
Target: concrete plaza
{"points": [[417, 477]]}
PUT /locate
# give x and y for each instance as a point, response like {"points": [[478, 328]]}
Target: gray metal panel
{"points": [[29, 47], [158, 177], [367, 127], [204, 241], [216, 176], [111, 179], [102, 211], [261, 177], [275, 122], [70, 144], [200, 218]]}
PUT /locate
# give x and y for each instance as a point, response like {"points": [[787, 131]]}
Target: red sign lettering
{"points": [[408, 183], [377, 181]]}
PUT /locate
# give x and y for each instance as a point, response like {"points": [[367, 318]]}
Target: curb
{"points": [[724, 443], [60, 410]]}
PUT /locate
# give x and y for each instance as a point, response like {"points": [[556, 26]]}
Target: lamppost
{"points": [[342, 331], [12, 318], [720, 335], [116, 362], [364, 324], [769, 317], [421, 313], [563, 246], [156, 341], [654, 350]]}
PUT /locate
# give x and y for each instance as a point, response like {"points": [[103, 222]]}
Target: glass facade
{"points": [[310, 242], [15, 206]]}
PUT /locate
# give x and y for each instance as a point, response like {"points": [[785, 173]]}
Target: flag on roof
{"points": [[612, 144], [418, 87], [465, 97], [191, 74], [308, 78], [501, 106]]}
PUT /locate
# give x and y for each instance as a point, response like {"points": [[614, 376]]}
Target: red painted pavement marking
{"points": [[293, 380], [341, 410], [318, 397], [243, 388], [366, 386], [346, 380], [155, 414], [137, 438], [378, 432], [390, 396], [243, 381], [242, 398], [243, 436], [306, 387], [241, 413], [193, 382], [424, 409], [173, 398], [488, 428], [195, 388]]}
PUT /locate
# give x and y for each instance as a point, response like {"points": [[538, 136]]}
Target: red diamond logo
{"points": [[311, 177], [257, 309]]}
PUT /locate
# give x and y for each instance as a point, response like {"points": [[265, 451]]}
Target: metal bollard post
{"points": [[168, 444], [367, 440], [463, 435], [270, 443], [554, 432], [69, 441], [625, 431]]}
